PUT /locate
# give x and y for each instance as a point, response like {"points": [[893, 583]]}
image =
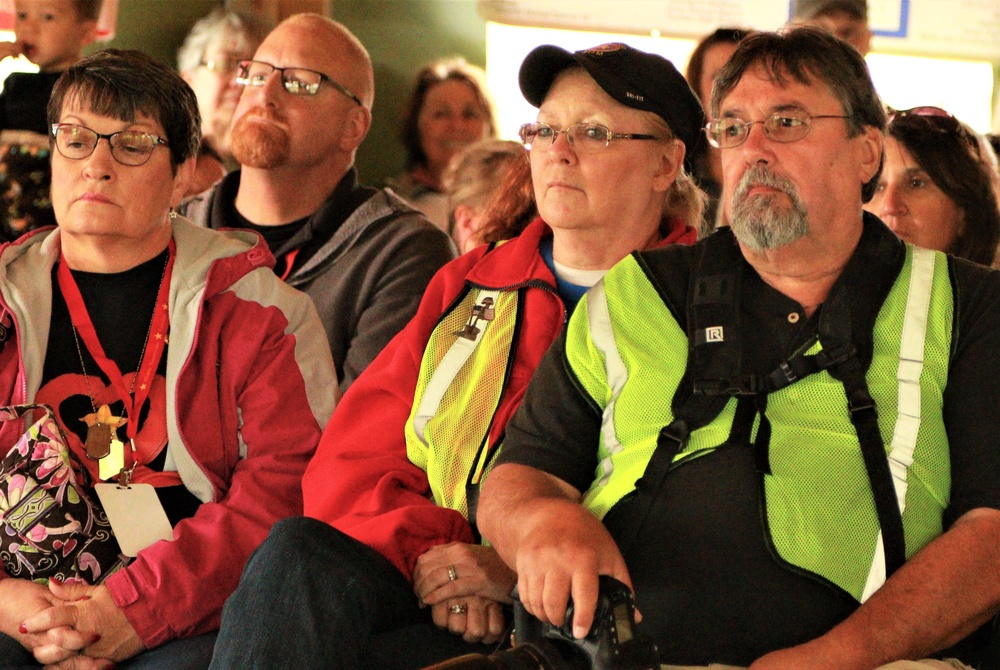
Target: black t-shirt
{"points": [[276, 237], [721, 593], [25, 173], [120, 306], [293, 244]]}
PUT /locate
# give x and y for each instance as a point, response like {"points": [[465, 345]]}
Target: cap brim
{"points": [[539, 69]]}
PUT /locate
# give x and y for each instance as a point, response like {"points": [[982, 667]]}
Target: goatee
{"points": [[259, 145], [762, 222]]}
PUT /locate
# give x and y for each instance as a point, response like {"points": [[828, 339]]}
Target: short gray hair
{"points": [[216, 26]]}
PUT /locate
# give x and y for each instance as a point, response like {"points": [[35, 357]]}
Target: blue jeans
{"points": [[312, 597], [193, 653]]}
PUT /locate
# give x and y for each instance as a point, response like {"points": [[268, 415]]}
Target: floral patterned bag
{"points": [[49, 525]]}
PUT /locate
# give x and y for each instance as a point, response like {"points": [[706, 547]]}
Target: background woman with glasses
{"points": [[939, 187], [183, 337], [391, 536], [207, 61]]}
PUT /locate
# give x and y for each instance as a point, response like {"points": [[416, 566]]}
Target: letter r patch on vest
{"points": [[710, 334]]}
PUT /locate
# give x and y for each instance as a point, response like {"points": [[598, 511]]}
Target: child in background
{"points": [[51, 34]]}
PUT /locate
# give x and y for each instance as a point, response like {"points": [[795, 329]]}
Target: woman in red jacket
{"points": [[391, 489]]}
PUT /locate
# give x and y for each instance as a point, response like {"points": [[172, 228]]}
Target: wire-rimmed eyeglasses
{"points": [[583, 136], [787, 126], [296, 80], [222, 64], [128, 147]]}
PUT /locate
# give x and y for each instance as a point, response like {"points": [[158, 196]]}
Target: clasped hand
{"points": [[465, 585], [70, 626]]}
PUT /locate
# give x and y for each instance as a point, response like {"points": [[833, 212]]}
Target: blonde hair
{"points": [[473, 173], [684, 200]]}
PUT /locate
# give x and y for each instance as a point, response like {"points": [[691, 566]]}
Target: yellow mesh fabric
{"points": [[453, 435], [818, 479], [820, 508], [647, 339]]}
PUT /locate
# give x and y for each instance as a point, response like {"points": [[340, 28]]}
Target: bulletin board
{"points": [[939, 28]]}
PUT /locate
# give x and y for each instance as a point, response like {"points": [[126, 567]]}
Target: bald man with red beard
{"points": [[362, 254]]}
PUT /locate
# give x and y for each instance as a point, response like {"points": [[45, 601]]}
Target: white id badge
{"points": [[136, 516]]}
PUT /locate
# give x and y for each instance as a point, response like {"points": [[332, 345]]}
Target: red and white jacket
{"points": [[250, 385]]}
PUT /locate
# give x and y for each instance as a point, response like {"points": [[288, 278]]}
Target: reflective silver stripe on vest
{"points": [[451, 363], [603, 337], [911, 364]]}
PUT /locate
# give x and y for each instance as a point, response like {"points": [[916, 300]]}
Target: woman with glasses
{"points": [[939, 187], [388, 570], [178, 367], [449, 109]]}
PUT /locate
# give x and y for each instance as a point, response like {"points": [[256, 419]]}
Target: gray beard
{"points": [[760, 223]]}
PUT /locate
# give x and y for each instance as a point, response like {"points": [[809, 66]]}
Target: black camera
{"points": [[611, 644]]}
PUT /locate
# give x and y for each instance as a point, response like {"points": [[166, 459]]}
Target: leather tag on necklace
{"points": [[98, 441], [102, 428]]}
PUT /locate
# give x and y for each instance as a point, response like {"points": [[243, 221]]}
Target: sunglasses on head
{"points": [[935, 117]]}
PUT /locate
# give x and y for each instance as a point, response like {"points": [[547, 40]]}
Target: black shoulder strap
{"points": [[846, 327], [712, 314], [847, 322]]}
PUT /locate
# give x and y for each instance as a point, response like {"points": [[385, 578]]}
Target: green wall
{"points": [[157, 26], [401, 35]]}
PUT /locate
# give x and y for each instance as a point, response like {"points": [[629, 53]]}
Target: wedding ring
{"points": [[458, 609], [452, 576]]}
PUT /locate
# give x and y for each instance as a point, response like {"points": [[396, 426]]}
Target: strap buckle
{"points": [[676, 431], [860, 400], [744, 386]]}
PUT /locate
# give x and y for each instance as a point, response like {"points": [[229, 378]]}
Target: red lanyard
{"points": [[156, 339]]}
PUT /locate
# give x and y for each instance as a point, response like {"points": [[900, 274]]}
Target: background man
{"points": [[362, 254], [846, 19], [824, 493]]}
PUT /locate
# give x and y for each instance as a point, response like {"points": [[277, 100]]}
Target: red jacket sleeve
{"points": [[250, 404], [361, 480]]}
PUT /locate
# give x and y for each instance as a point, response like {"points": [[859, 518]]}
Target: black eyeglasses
{"points": [[787, 126], [582, 136], [128, 147], [296, 80]]}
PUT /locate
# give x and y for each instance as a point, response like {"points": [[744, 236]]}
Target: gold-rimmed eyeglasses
{"points": [[582, 136], [223, 64], [786, 126]]}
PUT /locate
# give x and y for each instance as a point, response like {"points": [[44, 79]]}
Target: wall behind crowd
{"points": [[401, 36]]}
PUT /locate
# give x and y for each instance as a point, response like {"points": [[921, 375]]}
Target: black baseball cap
{"points": [[632, 77]]}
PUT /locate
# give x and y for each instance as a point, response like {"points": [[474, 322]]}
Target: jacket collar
{"points": [[516, 260]]}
